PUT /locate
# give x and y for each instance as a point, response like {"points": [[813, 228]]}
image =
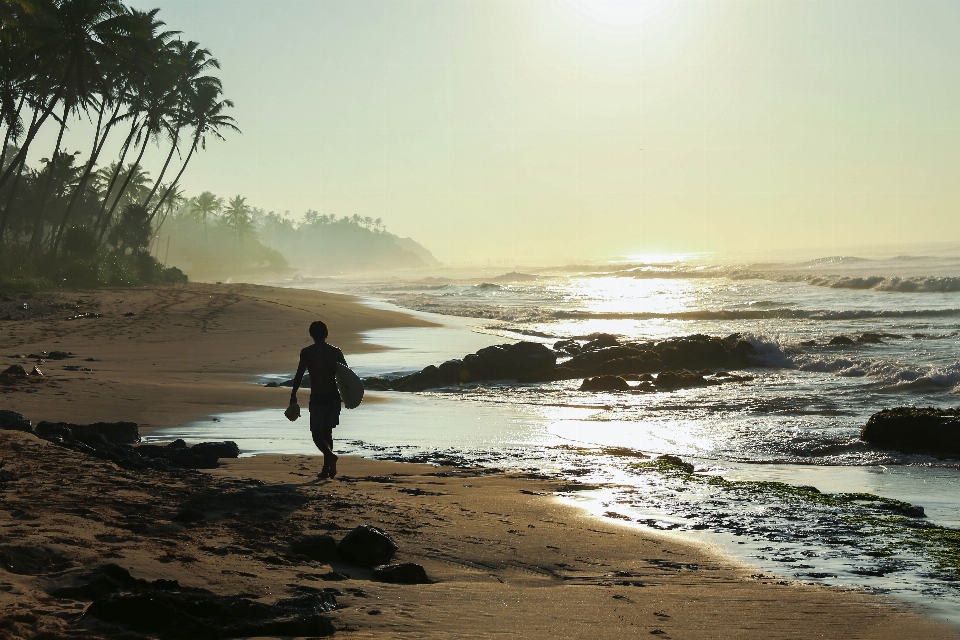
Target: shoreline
{"points": [[503, 554], [168, 355], [528, 570]]}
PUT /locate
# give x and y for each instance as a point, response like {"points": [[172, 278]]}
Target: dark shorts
{"points": [[324, 416]]}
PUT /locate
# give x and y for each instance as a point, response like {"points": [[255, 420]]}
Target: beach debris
{"points": [[36, 371], [82, 316], [166, 609], [73, 367], [915, 430], [129, 314], [321, 548], [405, 573], [367, 546], [15, 370]]}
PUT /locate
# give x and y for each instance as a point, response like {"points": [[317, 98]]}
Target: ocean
{"points": [[781, 478]]}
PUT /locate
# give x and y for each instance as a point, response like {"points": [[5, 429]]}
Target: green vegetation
{"points": [[69, 219], [881, 522]]}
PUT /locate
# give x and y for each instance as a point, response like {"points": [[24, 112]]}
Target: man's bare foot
{"points": [[324, 474], [333, 467]]}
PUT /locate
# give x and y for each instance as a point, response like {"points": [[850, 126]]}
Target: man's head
{"points": [[318, 331]]}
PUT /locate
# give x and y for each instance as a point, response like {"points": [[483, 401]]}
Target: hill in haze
{"points": [[328, 244]]}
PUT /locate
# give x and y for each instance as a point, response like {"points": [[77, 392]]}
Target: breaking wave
{"points": [[892, 376], [532, 313]]}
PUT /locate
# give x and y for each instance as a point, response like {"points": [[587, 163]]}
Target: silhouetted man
{"points": [[321, 359]]}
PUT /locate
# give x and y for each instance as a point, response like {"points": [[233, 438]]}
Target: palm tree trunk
{"points": [[6, 210], [94, 154], [156, 185], [126, 182], [116, 172], [193, 147], [6, 136], [31, 134], [13, 189], [44, 192]]}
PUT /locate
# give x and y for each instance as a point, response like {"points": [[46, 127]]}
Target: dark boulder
{"points": [[679, 380], [112, 432], [366, 546], [841, 341], [589, 361], [165, 609], [915, 430], [567, 347], [870, 338], [321, 548], [600, 341], [224, 449], [406, 573], [180, 455], [13, 421], [15, 371], [644, 363], [605, 383]]}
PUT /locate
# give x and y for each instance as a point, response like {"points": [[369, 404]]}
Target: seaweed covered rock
{"points": [[366, 546], [915, 430]]}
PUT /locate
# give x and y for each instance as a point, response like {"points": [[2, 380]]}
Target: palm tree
{"points": [[192, 62], [66, 38], [124, 68], [208, 118], [204, 206]]}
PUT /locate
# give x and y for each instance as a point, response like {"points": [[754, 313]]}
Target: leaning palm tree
{"points": [[191, 63], [133, 57], [203, 207], [66, 38], [207, 113]]}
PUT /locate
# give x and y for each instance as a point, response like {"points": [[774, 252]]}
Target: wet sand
{"points": [[187, 352], [507, 557]]}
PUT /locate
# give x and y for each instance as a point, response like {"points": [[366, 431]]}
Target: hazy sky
{"points": [[536, 131]]}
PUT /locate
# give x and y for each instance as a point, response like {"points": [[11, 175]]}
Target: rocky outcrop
{"points": [[406, 573], [915, 430], [602, 355], [165, 609], [13, 421], [111, 441], [366, 546], [605, 383]]}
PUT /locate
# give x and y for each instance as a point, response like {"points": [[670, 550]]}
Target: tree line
{"points": [[119, 71]]}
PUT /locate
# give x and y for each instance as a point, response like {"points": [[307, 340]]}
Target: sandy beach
{"points": [[506, 557]]}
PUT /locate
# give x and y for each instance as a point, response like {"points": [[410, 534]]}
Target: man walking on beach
{"points": [[321, 359]]}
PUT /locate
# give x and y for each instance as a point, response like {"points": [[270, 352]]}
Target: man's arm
{"points": [[297, 379]]}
